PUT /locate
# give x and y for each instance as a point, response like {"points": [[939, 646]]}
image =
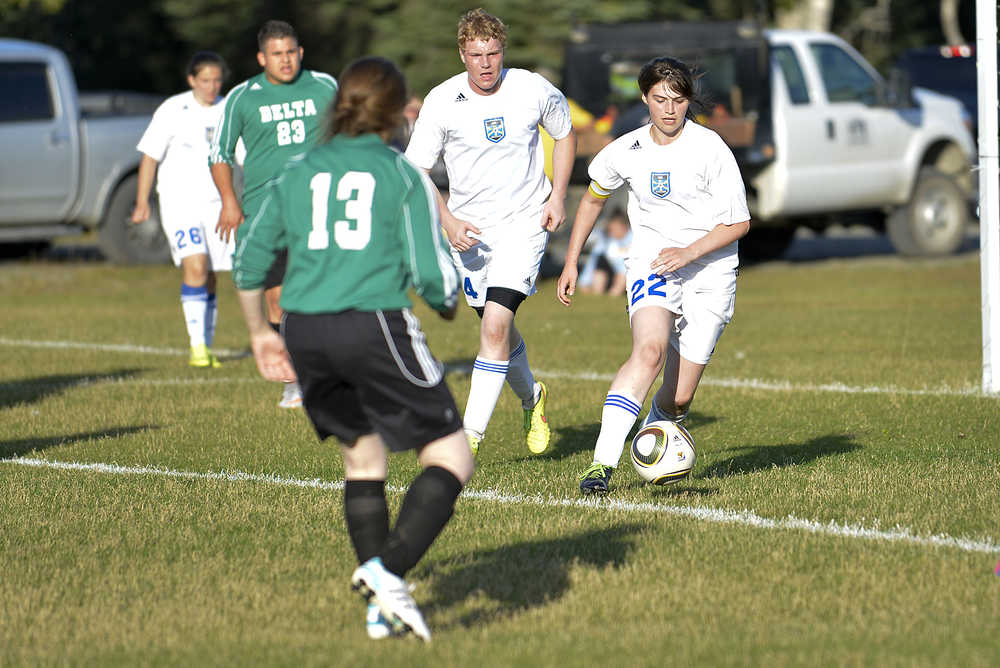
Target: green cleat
{"points": [[596, 478], [474, 442], [536, 425], [202, 358]]}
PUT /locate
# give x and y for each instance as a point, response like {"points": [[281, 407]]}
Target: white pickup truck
{"points": [[817, 131], [69, 160]]}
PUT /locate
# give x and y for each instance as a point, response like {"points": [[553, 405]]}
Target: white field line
{"points": [[897, 534], [743, 383]]}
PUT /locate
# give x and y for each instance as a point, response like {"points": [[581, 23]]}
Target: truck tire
{"points": [[933, 222], [765, 243], [121, 241]]}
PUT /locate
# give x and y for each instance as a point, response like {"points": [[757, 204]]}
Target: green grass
{"points": [[843, 393]]}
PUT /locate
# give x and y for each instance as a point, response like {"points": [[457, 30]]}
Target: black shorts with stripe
{"points": [[370, 372]]}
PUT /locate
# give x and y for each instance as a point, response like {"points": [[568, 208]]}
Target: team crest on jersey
{"points": [[659, 184], [494, 129]]}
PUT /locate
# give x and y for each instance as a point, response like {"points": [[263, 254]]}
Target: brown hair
{"points": [[204, 58], [677, 76], [370, 98], [477, 24], [275, 30]]}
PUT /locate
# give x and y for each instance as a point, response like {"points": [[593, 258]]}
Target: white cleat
{"points": [[392, 595], [376, 624], [291, 396]]}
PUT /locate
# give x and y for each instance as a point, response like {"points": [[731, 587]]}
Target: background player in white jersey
{"points": [[687, 205], [178, 139], [501, 206]]}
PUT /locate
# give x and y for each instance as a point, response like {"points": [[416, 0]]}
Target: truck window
{"points": [[24, 89], [798, 91], [844, 79]]}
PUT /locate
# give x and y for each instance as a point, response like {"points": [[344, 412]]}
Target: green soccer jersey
{"points": [[276, 122], [361, 226]]}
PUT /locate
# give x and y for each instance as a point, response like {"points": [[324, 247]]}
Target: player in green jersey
{"points": [[277, 114], [361, 226]]}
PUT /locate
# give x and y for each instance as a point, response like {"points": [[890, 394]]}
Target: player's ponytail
{"points": [[370, 98]]}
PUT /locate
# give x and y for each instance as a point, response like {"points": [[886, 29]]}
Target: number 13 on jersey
{"points": [[357, 190]]}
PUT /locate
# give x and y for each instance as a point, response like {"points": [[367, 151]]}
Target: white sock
{"points": [[487, 381], [211, 317], [519, 376], [619, 414], [194, 302]]}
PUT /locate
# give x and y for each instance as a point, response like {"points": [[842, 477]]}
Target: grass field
{"points": [[845, 508]]}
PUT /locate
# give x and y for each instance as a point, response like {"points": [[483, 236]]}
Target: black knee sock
{"points": [[428, 506], [367, 516]]}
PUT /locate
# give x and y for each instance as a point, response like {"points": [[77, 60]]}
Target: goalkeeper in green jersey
{"points": [[361, 226]]}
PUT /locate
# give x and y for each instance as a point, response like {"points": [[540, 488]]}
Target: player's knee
{"points": [[494, 335], [650, 355]]}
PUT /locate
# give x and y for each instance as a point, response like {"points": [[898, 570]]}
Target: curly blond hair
{"points": [[478, 24]]}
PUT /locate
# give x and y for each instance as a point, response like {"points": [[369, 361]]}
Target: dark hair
{"points": [[203, 58], [370, 98], [676, 74], [275, 30]]}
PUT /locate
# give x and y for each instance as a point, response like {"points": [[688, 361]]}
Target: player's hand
{"points": [[554, 214], [458, 234], [140, 213], [671, 259], [272, 358], [567, 284], [230, 218]]}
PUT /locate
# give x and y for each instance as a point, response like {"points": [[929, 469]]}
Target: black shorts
{"points": [[370, 372], [276, 274]]}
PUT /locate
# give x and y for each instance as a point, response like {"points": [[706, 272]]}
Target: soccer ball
{"points": [[662, 452]]}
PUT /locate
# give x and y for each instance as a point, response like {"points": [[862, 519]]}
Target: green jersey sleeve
{"points": [[431, 269], [227, 134]]}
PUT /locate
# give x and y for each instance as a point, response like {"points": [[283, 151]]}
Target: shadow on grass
{"points": [[752, 458], [31, 390], [524, 575], [16, 448]]}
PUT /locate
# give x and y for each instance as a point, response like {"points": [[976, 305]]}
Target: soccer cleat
{"points": [[596, 478], [202, 358], [392, 596], [291, 396], [376, 624], [474, 442], [536, 426]]}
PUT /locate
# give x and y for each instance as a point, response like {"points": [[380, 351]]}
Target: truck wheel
{"points": [[122, 242], [765, 243], [933, 221]]}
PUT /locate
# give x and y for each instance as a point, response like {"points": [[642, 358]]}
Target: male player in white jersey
{"points": [[687, 205], [501, 206]]}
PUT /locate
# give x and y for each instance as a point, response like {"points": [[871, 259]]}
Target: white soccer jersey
{"points": [[677, 192], [179, 138], [492, 150]]}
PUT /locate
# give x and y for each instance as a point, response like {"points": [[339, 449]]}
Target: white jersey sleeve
{"points": [[555, 109], [160, 131], [427, 139]]}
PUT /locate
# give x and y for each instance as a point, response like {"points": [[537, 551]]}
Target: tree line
{"points": [[145, 46]]}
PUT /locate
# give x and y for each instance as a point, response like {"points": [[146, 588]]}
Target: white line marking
{"points": [[897, 534], [466, 369]]}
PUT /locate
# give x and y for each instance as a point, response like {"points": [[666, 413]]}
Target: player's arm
{"points": [[563, 155], [147, 172], [672, 259], [431, 268], [250, 265], [231, 215], [586, 216], [268, 348], [221, 157]]}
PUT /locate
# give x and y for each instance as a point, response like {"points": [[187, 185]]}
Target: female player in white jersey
{"points": [[501, 206], [178, 139], [687, 205]]}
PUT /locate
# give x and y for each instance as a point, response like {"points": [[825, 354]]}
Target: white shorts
{"points": [[703, 305], [190, 229], [508, 255]]}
